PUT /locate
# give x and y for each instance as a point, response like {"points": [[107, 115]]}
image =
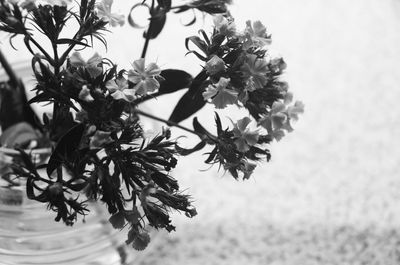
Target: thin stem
{"points": [[146, 42], [48, 57], [169, 123]]}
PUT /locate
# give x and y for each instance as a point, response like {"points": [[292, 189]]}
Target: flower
{"points": [[255, 69], [245, 137], [119, 89], [295, 110], [220, 95], [224, 25], [93, 65], [104, 13], [256, 35], [85, 95], [215, 65], [144, 77]]}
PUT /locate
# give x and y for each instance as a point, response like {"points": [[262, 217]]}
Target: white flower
{"points": [[215, 65], [93, 65], [144, 77], [220, 95], [119, 89], [85, 95], [224, 25], [256, 35], [104, 13], [245, 136], [256, 70]]}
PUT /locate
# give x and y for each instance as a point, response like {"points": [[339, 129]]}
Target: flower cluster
{"points": [[99, 150], [238, 71]]}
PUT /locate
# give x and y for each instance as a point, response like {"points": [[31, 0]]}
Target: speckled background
{"points": [[330, 194]]}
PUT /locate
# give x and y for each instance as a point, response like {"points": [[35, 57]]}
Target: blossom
{"points": [[144, 77], [119, 89], [248, 169], [85, 95], [256, 70], [256, 35], [99, 139], [220, 95], [104, 13], [93, 65], [224, 25], [245, 136], [215, 65]]}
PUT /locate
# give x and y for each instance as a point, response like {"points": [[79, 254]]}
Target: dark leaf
{"points": [[72, 42], [200, 128], [165, 4], [66, 147], [157, 22], [174, 80], [192, 101], [185, 152]]}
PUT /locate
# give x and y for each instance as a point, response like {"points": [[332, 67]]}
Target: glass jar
{"points": [[29, 234]]}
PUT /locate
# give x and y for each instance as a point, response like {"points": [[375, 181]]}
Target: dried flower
{"points": [[256, 35], [99, 139]]}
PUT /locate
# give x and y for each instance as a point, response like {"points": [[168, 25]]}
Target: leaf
{"points": [[192, 101], [199, 128], [157, 22], [65, 147], [165, 4], [71, 42], [218, 123], [174, 80], [185, 152]]}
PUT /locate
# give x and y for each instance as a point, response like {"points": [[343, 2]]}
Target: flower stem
{"points": [[148, 35], [169, 123]]}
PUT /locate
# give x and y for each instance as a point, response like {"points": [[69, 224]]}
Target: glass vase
{"points": [[29, 234]]}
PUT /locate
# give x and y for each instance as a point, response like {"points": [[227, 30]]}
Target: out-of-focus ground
{"points": [[331, 193]]}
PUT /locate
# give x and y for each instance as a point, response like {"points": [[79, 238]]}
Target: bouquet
{"points": [[99, 150]]}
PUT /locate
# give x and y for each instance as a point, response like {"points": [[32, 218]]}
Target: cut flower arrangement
{"points": [[99, 150]]}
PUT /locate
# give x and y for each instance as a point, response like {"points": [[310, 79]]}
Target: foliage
{"points": [[100, 151]]}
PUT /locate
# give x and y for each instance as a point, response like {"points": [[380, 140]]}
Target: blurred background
{"points": [[330, 194]]}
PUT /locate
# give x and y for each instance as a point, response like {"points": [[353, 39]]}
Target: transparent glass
{"points": [[29, 234]]}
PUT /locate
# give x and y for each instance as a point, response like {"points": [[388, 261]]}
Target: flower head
{"points": [[119, 89], [256, 35], [104, 13], [93, 65], [255, 69], [245, 136], [215, 65], [220, 95], [85, 95], [144, 77], [224, 25]]}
